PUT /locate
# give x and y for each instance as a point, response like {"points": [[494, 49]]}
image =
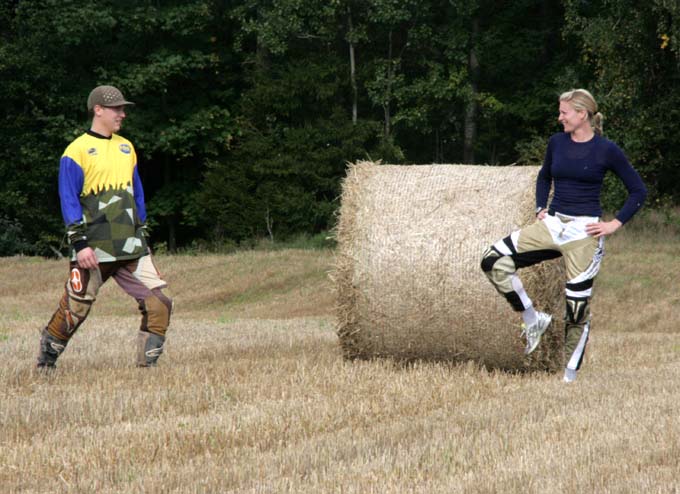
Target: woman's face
{"points": [[570, 118]]}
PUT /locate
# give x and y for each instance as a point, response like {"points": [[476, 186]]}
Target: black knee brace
{"points": [[578, 310], [489, 258]]}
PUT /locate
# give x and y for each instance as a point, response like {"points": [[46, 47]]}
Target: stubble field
{"points": [[253, 394]]}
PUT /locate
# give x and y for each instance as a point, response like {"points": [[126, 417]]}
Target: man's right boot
{"points": [[149, 348], [50, 349]]}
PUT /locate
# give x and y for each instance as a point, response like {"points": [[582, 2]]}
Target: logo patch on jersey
{"points": [[92, 151], [76, 281], [125, 148]]}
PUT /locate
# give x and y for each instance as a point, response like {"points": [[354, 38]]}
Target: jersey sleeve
{"points": [[71, 180], [637, 192], [139, 195], [544, 179]]}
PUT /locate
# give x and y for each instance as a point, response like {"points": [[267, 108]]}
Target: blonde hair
{"points": [[581, 99]]}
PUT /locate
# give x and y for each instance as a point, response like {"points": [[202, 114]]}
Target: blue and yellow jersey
{"points": [[102, 199]]}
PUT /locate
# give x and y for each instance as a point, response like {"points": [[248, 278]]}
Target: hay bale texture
{"points": [[407, 273]]}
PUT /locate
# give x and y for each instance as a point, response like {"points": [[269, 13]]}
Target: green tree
{"points": [[283, 173], [38, 119], [633, 53], [248, 111], [173, 59]]}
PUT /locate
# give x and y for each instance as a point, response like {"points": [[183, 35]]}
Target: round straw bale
{"points": [[407, 270]]}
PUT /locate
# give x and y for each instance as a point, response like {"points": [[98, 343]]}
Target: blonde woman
{"points": [[575, 164]]}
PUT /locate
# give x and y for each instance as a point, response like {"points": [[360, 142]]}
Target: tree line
{"points": [[247, 111]]}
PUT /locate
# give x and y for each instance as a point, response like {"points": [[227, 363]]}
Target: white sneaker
{"points": [[569, 375], [534, 331]]}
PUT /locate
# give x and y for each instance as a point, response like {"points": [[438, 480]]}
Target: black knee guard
{"points": [[576, 330], [578, 310], [50, 349], [489, 258]]}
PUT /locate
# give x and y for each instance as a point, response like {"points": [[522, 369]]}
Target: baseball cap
{"points": [[106, 96]]}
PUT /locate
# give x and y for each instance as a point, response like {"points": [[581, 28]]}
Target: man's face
{"points": [[110, 117]]}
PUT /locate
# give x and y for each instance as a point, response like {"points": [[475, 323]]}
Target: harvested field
{"points": [[246, 403]]}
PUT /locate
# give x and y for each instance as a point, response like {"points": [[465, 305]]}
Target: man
{"points": [[102, 202]]}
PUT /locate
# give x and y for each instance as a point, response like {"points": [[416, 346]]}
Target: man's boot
{"points": [[50, 349], [149, 348]]}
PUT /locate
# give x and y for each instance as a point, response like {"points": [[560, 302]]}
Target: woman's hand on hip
{"points": [[602, 228]]}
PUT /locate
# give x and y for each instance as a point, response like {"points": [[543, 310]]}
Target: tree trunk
{"points": [[471, 112], [171, 219], [167, 181], [549, 36], [261, 51], [438, 147], [388, 89], [352, 68], [269, 221]]}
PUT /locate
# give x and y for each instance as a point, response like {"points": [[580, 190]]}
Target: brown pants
{"points": [[139, 278]]}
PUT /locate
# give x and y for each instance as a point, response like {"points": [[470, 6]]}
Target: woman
{"points": [[575, 163]]}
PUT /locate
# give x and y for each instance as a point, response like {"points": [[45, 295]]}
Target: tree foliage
{"points": [[248, 111], [632, 50]]}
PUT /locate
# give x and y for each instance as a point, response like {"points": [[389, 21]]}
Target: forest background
{"points": [[247, 111]]}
